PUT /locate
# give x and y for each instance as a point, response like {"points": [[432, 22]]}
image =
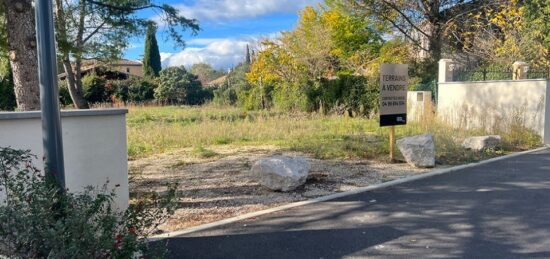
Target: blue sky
{"points": [[227, 26]]}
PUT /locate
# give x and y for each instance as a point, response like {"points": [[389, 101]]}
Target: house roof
{"points": [[120, 62], [90, 64], [218, 81]]}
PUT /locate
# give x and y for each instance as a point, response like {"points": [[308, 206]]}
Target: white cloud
{"points": [[218, 10], [220, 53]]}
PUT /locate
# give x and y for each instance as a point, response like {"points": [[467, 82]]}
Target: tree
{"points": [[205, 73], [311, 44], [18, 28], [151, 57], [101, 29], [503, 33], [177, 86], [248, 60], [422, 22]]}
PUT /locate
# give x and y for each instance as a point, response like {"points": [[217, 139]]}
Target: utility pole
{"points": [[49, 93]]}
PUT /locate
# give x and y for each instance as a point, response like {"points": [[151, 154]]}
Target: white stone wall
{"points": [[419, 105], [94, 143], [492, 104]]}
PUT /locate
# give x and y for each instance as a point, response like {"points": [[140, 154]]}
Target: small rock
{"points": [[281, 173], [419, 151], [481, 143]]}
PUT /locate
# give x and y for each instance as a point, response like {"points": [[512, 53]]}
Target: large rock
{"points": [[482, 142], [419, 151], [281, 173]]}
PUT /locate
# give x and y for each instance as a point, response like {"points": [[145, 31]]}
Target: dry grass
{"points": [[155, 130]]}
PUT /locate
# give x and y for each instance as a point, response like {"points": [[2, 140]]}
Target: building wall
{"points": [[493, 104], [94, 143], [419, 106], [134, 70]]}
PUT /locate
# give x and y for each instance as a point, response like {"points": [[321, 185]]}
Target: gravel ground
{"points": [[220, 186]]}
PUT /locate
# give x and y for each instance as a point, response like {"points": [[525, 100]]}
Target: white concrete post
{"points": [[519, 70], [445, 73]]}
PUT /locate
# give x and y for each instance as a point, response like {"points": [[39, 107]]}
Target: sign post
{"points": [[393, 98]]}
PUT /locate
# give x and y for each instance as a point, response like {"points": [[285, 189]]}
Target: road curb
{"points": [[337, 195]]}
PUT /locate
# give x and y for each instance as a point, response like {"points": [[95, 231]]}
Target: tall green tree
{"points": [[248, 59], [151, 57]]}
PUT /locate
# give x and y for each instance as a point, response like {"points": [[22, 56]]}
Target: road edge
{"points": [[337, 195]]}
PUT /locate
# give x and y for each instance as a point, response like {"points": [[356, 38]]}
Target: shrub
{"points": [[39, 221], [134, 89], [177, 86], [96, 89], [64, 94], [225, 95], [292, 97]]}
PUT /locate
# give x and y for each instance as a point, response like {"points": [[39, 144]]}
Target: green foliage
{"points": [[151, 57], [323, 136], [102, 29], [64, 94], [225, 96], [135, 89], [177, 86], [236, 88], [202, 152], [7, 94], [205, 72], [96, 89], [38, 221]]}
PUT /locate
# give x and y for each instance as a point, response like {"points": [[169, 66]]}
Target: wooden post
{"points": [[392, 140]]}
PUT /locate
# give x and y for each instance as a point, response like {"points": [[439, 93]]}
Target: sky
{"points": [[227, 26]]}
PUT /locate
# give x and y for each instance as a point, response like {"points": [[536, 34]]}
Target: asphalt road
{"points": [[498, 210]]}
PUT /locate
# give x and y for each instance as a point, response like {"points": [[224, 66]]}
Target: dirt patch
{"points": [[220, 186]]}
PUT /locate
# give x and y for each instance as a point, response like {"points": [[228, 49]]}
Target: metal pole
{"points": [[49, 93]]}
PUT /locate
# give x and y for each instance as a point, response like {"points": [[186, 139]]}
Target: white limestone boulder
{"points": [[481, 143], [419, 151], [281, 173]]}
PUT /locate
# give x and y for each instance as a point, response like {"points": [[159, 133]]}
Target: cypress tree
{"points": [[248, 60], [151, 57]]}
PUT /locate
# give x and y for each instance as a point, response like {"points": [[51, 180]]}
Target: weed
{"points": [[202, 152], [153, 130]]}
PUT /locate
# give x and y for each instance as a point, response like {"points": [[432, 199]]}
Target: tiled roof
{"points": [[218, 81], [120, 62]]}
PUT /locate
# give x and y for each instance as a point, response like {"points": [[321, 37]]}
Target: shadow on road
{"points": [[498, 210]]}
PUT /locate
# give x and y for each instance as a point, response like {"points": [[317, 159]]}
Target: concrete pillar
{"points": [[445, 72], [519, 70]]}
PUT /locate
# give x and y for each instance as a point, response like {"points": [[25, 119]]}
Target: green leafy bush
{"points": [[39, 221], [177, 86], [96, 89], [225, 95], [64, 94], [134, 89]]}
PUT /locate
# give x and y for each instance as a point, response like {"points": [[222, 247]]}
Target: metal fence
{"points": [[485, 74]]}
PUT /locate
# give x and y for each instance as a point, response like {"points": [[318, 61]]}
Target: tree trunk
{"points": [[22, 52], [75, 92], [74, 78]]}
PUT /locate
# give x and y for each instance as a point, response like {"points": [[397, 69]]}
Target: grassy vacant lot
{"points": [[154, 130]]}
